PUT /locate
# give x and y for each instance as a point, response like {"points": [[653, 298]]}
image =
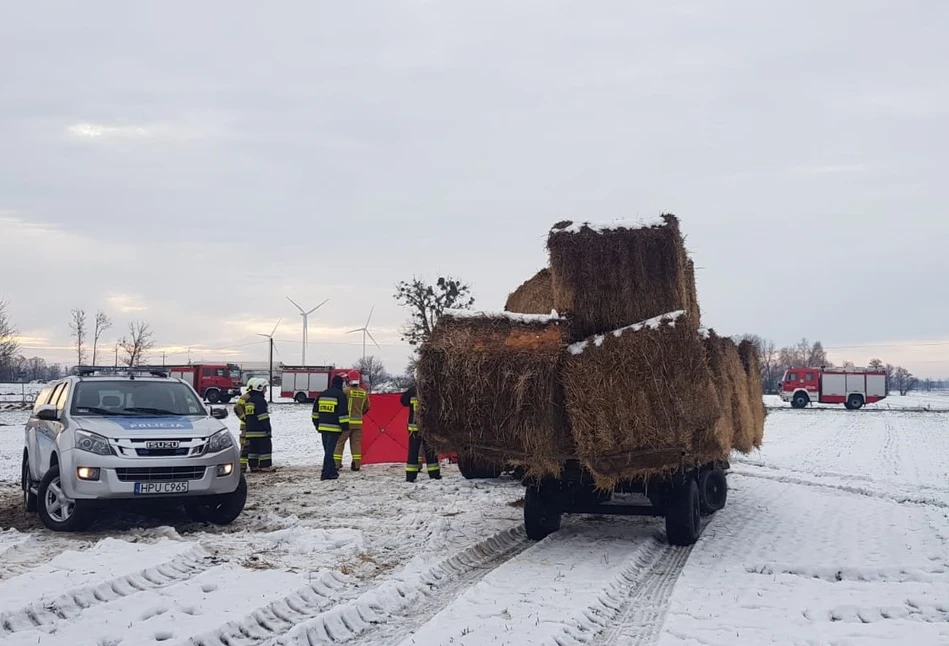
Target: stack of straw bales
{"points": [[623, 378], [491, 385], [608, 277]]}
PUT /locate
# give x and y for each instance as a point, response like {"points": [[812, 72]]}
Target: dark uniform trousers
{"points": [[416, 443]]}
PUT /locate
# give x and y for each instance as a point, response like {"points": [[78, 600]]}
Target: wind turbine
{"points": [[305, 314], [365, 332], [270, 336]]}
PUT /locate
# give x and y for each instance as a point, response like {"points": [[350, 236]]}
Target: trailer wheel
{"points": [[684, 514], [854, 402], [213, 395], [800, 400], [474, 469], [300, 398], [713, 491], [541, 514]]}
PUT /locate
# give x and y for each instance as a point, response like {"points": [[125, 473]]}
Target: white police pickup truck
{"points": [[94, 438]]}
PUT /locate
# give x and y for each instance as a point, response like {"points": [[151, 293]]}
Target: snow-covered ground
{"points": [[834, 533]]}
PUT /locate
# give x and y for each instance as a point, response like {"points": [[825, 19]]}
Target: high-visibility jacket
{"points": [[410, 399], [256, 415], [331, 411], [358, 405], [240, 409]]}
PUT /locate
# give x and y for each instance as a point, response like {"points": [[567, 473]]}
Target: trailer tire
{"points": [[684, 514], [541, 514], [800, 400], [474, 469], [213, 395], [300, 398], [854, 402], [226, 399], [713, 491]]}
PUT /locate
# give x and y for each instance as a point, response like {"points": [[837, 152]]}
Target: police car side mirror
{"points": [[219, 413], [47, 413]]}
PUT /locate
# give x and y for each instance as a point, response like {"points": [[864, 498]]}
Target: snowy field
{"points": [[836, 532]]}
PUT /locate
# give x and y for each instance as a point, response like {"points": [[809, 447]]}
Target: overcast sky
{"points": [[192, 164]]}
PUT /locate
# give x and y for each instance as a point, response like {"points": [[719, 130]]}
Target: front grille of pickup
{"points": [[159, 474]]}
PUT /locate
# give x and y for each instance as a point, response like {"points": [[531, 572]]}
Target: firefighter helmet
{"points": [[354, 378], [257, 383]]}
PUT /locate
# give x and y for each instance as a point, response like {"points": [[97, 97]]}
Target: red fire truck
{"points": [[216, 382], [304, 383], [852, 387]]}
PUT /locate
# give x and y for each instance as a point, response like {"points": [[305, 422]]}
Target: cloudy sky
{"points": [[192, 164]]}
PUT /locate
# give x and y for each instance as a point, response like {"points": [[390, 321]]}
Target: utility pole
{"points": [[270, 337], [270, 383], [116, 354], [162, 357]]}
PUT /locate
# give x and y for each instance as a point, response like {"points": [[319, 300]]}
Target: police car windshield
{"points": [[138, 398]]}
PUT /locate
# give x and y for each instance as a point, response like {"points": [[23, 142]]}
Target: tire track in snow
{"points": [[838, 475], [896, 497], [631, 612], [323, 614], [279, 617], [72, 602], [31, 553]]}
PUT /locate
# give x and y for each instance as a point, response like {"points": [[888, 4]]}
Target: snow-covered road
{"points": [[835, 533]]}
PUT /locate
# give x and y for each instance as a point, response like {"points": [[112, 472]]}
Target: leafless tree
{"points": [[102, 324], [8, 332], [904, 380], [137, 344], [373, 369], [77, 325], [426, 304]]}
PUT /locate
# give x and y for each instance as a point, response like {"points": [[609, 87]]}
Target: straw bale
{"points": [[731, 383], [750, 359], [534, 296], [489, 385], [636, 397], [605, 277]]}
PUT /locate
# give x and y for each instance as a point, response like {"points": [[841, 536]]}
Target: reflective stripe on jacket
{"points": [[358, 405], [331, 411]]}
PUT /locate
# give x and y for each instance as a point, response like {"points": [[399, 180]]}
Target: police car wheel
{"points": [[223, 510]]}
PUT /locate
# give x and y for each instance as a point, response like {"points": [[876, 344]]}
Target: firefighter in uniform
{"points": [[259, 437], [416, 443], [358, 407], [331, 418], [239, 410]]}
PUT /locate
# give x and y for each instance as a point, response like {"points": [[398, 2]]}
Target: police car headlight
{"points": [[93, 443], [220, 441]]}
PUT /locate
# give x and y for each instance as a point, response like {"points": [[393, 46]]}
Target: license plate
{"points": [[166, 444], [146, 488]]}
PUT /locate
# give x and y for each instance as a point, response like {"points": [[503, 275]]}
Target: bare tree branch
{"points": [[8, 343], [102, 324], [77, 324], [427, 303], [373, 369], [137, 345]]}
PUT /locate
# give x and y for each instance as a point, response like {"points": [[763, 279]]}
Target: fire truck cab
{"points": [[852, 387]]}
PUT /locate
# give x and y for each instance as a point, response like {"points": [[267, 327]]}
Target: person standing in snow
{"points": [[358, 407], [240, 411], [331, 418], [259, 435], [416, 443]]}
